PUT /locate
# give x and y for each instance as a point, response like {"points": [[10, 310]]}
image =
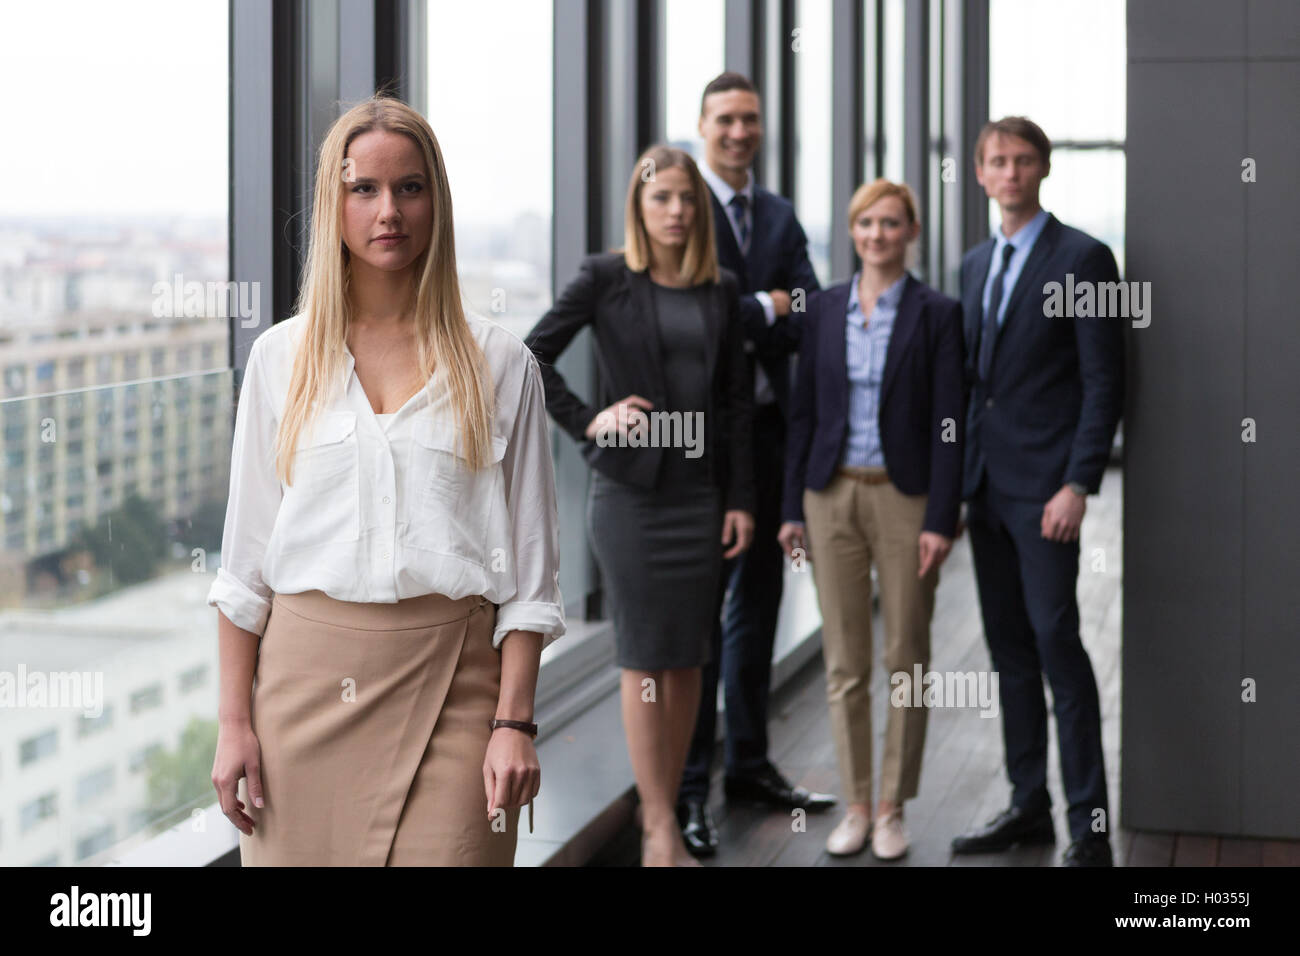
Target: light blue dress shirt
{"points": [[1023, 241], [865, 351]]}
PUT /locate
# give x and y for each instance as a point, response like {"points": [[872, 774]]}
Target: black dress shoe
{"points": [[698, 831], [1010, 827], [769, 788], [1090, 851]]}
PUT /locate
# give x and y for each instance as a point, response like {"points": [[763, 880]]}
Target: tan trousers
{"points": [[849, 526], [373, 726]]}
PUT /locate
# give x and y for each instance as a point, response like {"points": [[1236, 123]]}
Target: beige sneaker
{"points": [[850, 836], [889, 841]]}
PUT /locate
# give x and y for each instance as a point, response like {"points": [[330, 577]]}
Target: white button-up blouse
{"points": [[382, 510]]}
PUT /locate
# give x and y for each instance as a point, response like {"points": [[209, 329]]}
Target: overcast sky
{"points": [[121, 107]]}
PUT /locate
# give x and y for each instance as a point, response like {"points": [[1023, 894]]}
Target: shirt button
{"points": [[384, 555], [385, 499], [988, 403]]}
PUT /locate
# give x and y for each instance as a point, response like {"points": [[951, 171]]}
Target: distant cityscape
{"points": [[113, 481]]}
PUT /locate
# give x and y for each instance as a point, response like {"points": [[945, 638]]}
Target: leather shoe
{"points": [[698, 832], [1010, 827], [768, 787], [1089, 851], [850, 835]]}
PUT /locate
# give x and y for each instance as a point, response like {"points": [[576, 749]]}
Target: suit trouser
{"points": [[1031, 622], [749, 598], [850, 525]]}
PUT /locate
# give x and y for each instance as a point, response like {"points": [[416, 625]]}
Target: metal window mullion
{"points": [[974, 31], [251, 209], [846, 126], [916, 111]]}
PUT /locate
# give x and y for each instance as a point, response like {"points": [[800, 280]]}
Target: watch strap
{"points": [[529, 729]]}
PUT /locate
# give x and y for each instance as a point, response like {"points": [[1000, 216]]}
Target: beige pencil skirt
{"points": [[373, 726]]}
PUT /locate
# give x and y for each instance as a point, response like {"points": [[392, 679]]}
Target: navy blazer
{"points": [[1055, 393], [921, 402], [617, 303], [777, 259]]}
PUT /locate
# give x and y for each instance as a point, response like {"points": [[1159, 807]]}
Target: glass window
{"points": [[33, 812], [892, 92], [812, 160], [489, 103], [34, 748], [1063, 65], [693, 54], [127, 192]]}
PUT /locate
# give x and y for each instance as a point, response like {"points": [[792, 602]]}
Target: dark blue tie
{"points": [[739, 208], [990, 333]]}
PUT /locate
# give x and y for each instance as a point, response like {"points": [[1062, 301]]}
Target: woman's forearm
{"points": [[521, 651], [238, 661]]}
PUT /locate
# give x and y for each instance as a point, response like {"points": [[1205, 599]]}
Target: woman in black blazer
{"points": [[669, 443], [874, 468]]}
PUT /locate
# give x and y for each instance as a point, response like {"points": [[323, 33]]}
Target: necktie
{"points": [[990, 333], [739, 210]]}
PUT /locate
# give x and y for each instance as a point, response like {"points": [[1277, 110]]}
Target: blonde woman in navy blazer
{"points": [[873, 477]]}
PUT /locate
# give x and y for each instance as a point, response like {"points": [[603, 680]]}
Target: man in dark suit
{"points": [[761, 241], [1046, 393]]}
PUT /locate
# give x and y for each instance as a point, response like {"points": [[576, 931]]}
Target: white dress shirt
{"points": [[763, 393], [383, 508]]}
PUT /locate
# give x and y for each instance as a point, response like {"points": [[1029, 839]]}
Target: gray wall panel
{"points": [[1210, 591], [1271, 609], [1181, 433], [1183, 455], [1177, 28], [1272, 30]]}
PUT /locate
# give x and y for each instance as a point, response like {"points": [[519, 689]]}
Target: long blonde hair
{"points": [[443, 337], [700, 260]]}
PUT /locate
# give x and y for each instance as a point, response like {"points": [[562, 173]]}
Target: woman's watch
{"points": [[1078, 489], [529, 729]]}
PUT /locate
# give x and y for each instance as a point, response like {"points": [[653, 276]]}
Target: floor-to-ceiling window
{"points": [[1062, 64], [114, 329], [488, 98], [693, 55], [811, 43]]}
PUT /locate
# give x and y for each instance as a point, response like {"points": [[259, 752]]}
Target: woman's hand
{"points": [[792, 535], [934, 549], [238, 755], [737, 526], [511, 774], [619, 416]]}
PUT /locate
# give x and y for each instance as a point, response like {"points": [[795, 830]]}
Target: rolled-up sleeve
{"points": [[255, 494], [535, 525]]}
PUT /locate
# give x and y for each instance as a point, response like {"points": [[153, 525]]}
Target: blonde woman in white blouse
{"points": [[390, 557]]}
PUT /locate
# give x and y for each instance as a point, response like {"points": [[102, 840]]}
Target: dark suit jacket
{"points": [[1055, 393], [921, 398], [778, 259], [616, 302]]}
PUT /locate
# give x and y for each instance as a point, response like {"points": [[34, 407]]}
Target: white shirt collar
{"points": [[722, 189]]}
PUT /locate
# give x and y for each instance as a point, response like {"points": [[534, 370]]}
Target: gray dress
{"points": [[659, 549]]}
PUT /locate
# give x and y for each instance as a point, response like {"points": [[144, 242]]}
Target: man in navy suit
{"points": [[1046, 393], [761, 241]]}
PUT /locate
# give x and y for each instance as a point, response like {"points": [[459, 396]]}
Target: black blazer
{"points": [[921, 397], [1055, 393], [778, 259], [616, 302]]}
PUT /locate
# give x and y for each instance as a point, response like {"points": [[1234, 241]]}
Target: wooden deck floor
{"points": [[962, 781]]}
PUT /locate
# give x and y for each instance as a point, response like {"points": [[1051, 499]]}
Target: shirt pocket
{"points": [[453, 509], [322, 506]]}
